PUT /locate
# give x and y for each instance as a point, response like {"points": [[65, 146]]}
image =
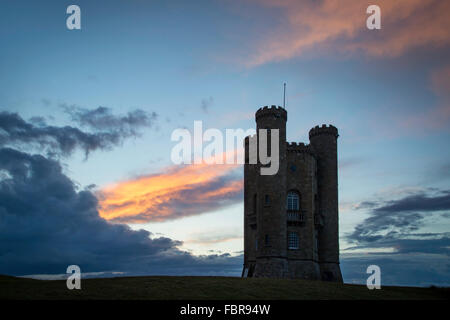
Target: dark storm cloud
{"points": [[102, 119], [38, 121], [418, 202], [396, 224], [46, 225], [417, 258], [436, 243], [107, 131], [392, 238], [14, 131], [370, 230]]}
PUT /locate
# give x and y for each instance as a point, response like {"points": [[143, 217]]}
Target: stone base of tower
{"points": [[303, 269], [271, 268], [282, 268], [330, 271]]}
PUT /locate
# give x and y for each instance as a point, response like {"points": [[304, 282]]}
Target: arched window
{"points": [[293, 240], [293, 201]]}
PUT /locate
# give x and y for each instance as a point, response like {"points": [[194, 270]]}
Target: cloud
{"points": [[46, 225], [207, 104], [177, 192], [365, 205], [417, 202], [340, 27], [107, 131], [16, 131], [102, 119], [215, 236], [394, 237], [396, 224], [438, 115]]}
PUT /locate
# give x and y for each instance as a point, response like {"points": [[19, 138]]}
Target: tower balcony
{"points": [[295, 217]]}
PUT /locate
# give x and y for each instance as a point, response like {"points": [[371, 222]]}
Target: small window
{"points": [[293, 240], [266, 199], [266, 240], [316, 204], [293, 201]]}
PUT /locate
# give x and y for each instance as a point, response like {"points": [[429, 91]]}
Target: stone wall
{"points": [[311, 171]]}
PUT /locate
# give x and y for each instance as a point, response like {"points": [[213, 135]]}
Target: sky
{"points": [[86, 118]]}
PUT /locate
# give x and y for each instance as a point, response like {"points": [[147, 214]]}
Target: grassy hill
{"points": [[196, 288]]}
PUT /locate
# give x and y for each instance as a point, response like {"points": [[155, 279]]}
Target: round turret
{"points": [[324, 129], [273, 111], [324, 143], [271, 217]]}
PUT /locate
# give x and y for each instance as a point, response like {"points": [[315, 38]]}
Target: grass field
{"points": [[209, 288]]}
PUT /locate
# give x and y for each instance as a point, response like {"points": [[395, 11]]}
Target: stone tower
{"points": [[291, 217]]}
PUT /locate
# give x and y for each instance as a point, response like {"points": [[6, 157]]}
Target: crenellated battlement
{"points": [[299, 147], [271, 111], [324, 129]]}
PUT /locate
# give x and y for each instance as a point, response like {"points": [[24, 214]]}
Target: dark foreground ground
{"points": [[208, 288]]}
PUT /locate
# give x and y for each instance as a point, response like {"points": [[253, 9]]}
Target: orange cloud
{"points": [[340, 26], [177, 192]]}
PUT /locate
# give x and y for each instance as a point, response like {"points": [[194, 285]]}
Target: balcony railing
{"points": [[295, 216]]}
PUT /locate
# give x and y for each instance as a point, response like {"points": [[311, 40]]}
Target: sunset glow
{"points": [[177, 192], [102, 129]]}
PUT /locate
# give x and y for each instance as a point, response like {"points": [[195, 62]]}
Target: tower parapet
{"points": [[277, 112], [299, 148], [324, 129]]}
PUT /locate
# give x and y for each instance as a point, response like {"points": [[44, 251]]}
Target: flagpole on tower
{"points": [[284, 96]]}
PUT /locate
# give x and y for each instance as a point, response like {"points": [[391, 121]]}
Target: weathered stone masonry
{"points": [[299, 237]]}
